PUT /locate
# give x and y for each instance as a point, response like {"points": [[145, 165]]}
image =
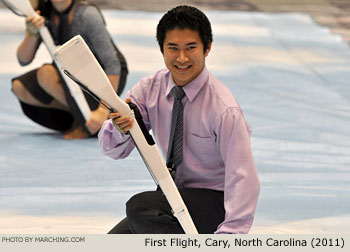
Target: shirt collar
{"points": [[191, 89]]}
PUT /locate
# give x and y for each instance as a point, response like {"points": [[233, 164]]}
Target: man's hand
{"points": [[122, 123]]}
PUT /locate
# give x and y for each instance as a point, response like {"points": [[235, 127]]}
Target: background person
{"points": [[42, 93]]}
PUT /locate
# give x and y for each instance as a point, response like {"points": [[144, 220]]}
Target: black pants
{"points": [[150, 213]]}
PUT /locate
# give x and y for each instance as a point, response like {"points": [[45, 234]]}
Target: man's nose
{"points": [[182, 56]]}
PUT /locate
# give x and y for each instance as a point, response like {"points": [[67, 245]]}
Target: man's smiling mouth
{"points": [[183, 67]]}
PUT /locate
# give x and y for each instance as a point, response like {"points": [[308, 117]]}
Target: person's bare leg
{"points": [[48, 79], [25, 96]]}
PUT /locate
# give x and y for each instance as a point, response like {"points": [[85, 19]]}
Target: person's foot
{"points": [[75, 133]]}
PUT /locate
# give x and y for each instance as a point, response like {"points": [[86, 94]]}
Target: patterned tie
{"points": [[174, 155]]}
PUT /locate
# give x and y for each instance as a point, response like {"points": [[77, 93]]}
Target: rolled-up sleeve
{"points": [[113, 143]]}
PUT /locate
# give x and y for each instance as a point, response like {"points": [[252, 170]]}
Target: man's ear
{"points": [[208, 50]]}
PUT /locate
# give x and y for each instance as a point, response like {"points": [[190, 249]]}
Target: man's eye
{"points": [[173, 48], [191, 48]]}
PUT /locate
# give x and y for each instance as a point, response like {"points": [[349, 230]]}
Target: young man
{"points": [[208, 150]]}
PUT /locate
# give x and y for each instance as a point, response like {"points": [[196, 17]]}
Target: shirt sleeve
{"points": [[112, 142], [241, 180], [95, 33]]}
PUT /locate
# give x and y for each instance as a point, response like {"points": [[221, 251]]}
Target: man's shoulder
{"points": [[158, 77], [221, 93], [152, 85]]}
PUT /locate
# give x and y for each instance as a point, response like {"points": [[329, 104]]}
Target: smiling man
{"points": [[200, 129], [184, 55]]}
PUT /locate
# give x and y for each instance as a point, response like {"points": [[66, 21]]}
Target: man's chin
{"points": [[181, 81]]}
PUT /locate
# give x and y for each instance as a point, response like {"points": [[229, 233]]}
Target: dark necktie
{"points": [[175, 153]]}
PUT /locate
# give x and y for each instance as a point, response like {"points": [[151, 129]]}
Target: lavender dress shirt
{"points": [[217, 151]]}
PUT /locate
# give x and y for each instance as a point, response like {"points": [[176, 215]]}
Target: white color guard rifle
{"points": [[78, 62], [24, 8]]}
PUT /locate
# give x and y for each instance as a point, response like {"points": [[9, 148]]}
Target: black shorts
{"points": [[30, 82], [54, 118], [51, 118]]}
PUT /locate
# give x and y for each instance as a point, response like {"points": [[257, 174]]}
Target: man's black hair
{"points": [[185, 17]]}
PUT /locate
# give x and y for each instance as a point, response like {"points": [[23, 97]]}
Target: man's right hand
{"points": [[122, 123]]}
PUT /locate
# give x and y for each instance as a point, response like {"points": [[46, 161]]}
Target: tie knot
{"points": [[178, 93]]}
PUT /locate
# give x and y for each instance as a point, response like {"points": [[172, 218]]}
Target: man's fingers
{"points": [[123, 119], [114, 115], [125, 124], [126, 129], [122, 123]]}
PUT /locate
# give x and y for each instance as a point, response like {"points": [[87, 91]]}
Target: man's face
{"points": [[183, 55]]}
